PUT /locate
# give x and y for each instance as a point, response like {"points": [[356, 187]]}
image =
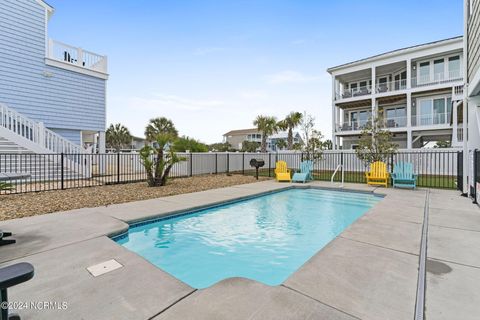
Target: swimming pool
{"points": [[266, 238]]}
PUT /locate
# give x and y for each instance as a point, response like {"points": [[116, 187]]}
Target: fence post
{"points": [[269, 165], [228, 163], [243, 163], [191, 164], [62, 173], [118, 167], [474, 178], [216, 162], [391, 161]]}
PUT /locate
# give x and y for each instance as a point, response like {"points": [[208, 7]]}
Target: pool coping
{"points": [[302, 282]]}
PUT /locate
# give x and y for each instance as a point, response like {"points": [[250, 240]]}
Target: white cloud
{"points": [[290, 76], [174, 102], [207, 50]]}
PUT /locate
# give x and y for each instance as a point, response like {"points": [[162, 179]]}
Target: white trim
{"points": [[392, 57], [74, 68]]}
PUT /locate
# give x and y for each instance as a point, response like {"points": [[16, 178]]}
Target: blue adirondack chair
{"points": [[305, 173], [403, 175]]}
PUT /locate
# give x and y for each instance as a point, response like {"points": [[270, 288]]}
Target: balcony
{"points": [[437, 79], [437, 119], [352, 125], [390, 86], [354, 92], [76, 57], [393, 122]]}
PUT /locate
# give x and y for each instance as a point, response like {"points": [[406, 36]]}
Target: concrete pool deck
{"points": [[369, 271]]}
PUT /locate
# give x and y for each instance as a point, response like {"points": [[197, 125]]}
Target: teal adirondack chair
{"points": [[305, 172], [403, 175]]}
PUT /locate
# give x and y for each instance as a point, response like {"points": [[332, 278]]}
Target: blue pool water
{"points": [[265, 238]]}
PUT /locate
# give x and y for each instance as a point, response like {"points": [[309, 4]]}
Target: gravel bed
{"points": [[36, 203]]}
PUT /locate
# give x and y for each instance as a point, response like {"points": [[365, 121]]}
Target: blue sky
{"points": [[212, 66]]}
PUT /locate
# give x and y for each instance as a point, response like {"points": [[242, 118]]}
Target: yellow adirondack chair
{"points": [[282, 173], [378, 174]]}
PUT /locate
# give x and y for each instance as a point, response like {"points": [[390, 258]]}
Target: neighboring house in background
{"points": [[52, 95], [236, 138], [138, 143], [273, 139], [416, 92]]}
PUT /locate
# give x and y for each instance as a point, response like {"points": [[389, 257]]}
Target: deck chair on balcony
{"points": [[403, 175], [282, 173], [305, 173], [378, 174]]}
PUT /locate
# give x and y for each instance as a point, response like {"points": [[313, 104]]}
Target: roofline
{"points": [[239, 130], [394, 53], [46, 5]]}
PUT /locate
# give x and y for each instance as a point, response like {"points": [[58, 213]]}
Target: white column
{"points": [[454, 123], [409, 74], [409, 118], [41, 134], [373, 89], [101, 142], [101, 149], [334, 113]]}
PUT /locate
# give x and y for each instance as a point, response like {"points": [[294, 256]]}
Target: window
{"points": [[396, 117], [358, 119], [439, 116], [401, 81], [454, 67], [438, 69], [353, 87], [424, 72], [433, 111]]}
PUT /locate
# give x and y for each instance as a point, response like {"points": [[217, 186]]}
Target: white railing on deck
{"points": [[76, 56], [36, 132], [391, 86], [438, 78]]}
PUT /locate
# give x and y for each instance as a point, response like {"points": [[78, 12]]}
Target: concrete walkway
{"points": [[368, 272]]}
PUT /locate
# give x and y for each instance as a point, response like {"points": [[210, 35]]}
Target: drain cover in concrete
{"points": [[104, 267]]}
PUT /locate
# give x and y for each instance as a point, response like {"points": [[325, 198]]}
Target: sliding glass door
{"points": [[433, 111]]}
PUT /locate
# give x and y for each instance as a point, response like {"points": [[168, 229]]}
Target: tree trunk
{"points": [[264, 143], [290, 139]]}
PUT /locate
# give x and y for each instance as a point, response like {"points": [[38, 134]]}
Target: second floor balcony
{"points": [[77, 57], [391, 123]]}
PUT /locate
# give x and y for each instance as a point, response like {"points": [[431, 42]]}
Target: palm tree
{"points": [[117, 137], [290, 123], [267, 126], [281, 144], [160, 125]]}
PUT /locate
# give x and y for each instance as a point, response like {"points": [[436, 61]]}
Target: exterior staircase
{"points": [[26, 146]]}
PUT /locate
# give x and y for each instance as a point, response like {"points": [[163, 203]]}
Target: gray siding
{"points": [[67, 99], [72, 135], [474, 40]]}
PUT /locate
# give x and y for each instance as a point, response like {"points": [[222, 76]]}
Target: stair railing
{"points": [[340, 166]]}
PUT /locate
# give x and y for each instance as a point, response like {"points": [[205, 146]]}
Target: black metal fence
{"points": [[42, 172]]}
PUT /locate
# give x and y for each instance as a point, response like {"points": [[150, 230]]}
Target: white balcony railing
{"points": [[355, 92], [352, 125], [391, 86], [76, 56], [438, 78], [431, 119], [393, 122], [460, 134]]}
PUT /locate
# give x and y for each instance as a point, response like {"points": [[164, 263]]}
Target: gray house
{"points": [[52, 95]]}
